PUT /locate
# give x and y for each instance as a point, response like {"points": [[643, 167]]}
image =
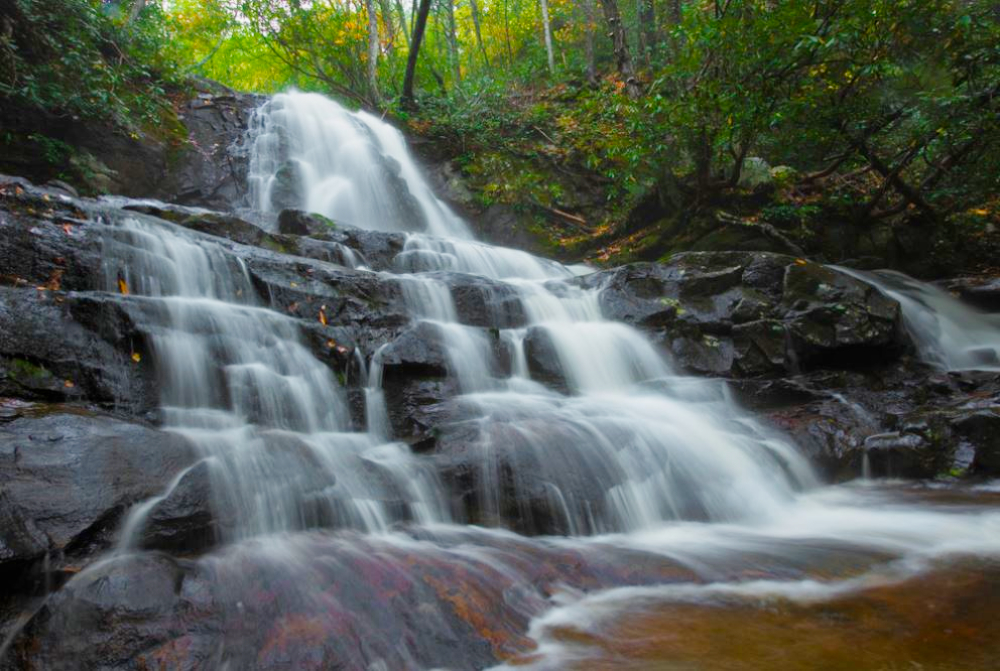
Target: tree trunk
{"points": [[506, 30], [675, 11], [390, 27], [411, 61], [588, 44], [373, 53], [402, 23], [453, 55], [479, 33], [136, 10], [548, 36], [647, 29], [623, 59]]}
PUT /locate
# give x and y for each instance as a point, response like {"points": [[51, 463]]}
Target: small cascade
{"points": [[948, 334], [423, 253], [308, 152], [376, 412], [238, 382]]}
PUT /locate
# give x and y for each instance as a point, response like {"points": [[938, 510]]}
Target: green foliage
{"points": [[880, 109], [70, 58]]}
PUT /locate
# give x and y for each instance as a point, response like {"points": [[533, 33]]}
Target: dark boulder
{"points": [[58, 346], [328, 240], [68, 476], [752, 313], [183, 521], [542, 358], [418, 406], [418, 351], [483, 302], [127, 599], [298, 222], [980, 291], [901, 421], [210, 170], [324, 601]]}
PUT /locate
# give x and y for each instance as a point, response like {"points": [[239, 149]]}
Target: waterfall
{"points": [[240, 384], [309, 152], [947, 333], [561, 423], [625, 447]]}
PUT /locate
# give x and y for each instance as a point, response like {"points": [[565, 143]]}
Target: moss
{"points": [[22, 370], [273, 245]]}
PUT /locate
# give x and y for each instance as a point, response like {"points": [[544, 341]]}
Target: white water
{"points": [[947, 333], [241, 386], [659, 461]]}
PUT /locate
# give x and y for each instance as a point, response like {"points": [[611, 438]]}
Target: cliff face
{"points": [[193, 160]]}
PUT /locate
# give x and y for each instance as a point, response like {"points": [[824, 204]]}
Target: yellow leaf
{"points": [[801, 262], [122, 286], [322, 317], [68, 384], [136, 357]]}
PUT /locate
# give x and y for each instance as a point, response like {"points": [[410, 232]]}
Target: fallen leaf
{"points": [[68, 384], [801, 262], [122, 286], [322, 317], [136, 357]]}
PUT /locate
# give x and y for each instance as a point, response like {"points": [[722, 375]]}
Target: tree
{"points": [[623, 59], [474, 6], [373, 49], [646, 14], [548, 36], [136, 10], [419, 26], [590, 18], [452, 36]]}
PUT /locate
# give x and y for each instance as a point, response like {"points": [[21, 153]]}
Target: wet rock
{"points": [[418, 351], [901, 421], [979, 434], [483, 302], [285, 191], [543, 361], [297, 222], [63, 347], [832, 316], [418, 406], [911, 453], [230, 227], [309, 601], [184, 521], [326, 240], [982, 292], [752, 313], [68, 477], [127, 599], [210, 170]]}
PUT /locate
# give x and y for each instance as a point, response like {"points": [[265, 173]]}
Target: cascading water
{"points": [[311, 153], [947, 333], [675, 476], [241, 386]]}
